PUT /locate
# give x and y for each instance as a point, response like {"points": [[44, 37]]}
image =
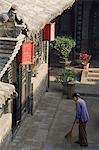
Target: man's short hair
{"points": [[76, 95]]}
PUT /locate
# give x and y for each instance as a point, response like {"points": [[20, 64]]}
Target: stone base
{"points": [[5, 130], [86, 66]]}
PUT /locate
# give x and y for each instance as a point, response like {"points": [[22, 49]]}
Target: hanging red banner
{"points": [[26, 54], [49, 32], [46, 32]]}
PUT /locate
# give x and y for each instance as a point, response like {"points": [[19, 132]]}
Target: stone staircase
{"points": [[93, 74]]}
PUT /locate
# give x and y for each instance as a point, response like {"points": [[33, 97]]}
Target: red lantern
{"points": [[25, 55], [46, 32], [49, 32]]}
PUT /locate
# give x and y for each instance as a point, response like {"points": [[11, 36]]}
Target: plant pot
{"points": [[68, 89], [64, 88]]}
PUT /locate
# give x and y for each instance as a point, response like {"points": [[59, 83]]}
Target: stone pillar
{"points": [[10, 106]]}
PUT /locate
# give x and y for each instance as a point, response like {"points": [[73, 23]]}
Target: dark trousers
{"points": [[82, 134]]}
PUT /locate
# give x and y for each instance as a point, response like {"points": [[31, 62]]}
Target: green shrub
{"points": [[63, 45], [66, 76]]}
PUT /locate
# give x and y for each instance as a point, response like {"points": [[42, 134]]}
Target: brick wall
{"points": [[39, 84]]}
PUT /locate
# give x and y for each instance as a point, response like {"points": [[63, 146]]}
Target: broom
{"points": [[68, 135]]}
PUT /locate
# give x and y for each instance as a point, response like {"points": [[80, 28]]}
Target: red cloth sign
{"points": [[49, 32], [25, 55]]}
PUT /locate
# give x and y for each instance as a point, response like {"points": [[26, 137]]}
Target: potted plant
{"points": [[63, 45], [67, 78], [85, 59]]}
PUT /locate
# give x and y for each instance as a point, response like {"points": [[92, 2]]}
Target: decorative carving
{"points": [[8, 23]]}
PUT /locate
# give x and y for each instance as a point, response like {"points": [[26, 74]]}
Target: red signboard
{"points": [[49, 32], [25, 55], [46, 32]]}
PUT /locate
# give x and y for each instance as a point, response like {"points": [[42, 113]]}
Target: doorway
{"points": [[94, 31]]}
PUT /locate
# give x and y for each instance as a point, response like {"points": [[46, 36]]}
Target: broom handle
{"points": [[73, 125]]}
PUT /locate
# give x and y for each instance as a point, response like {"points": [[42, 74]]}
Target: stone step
{"points": [[93, 71], [93, 78], [93, 74]]}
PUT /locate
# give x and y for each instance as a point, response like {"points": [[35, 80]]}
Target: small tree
{"points": [[63, 45], [66, 76]]}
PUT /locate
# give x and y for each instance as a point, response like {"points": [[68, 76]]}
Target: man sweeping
{"points": [[81, 118]]}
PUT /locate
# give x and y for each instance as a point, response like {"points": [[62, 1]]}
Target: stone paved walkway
{"points": [[53, 118]]}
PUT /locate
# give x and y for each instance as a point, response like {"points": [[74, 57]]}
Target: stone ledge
{"points": [[5, 126], [42, 73], [39, 84]]}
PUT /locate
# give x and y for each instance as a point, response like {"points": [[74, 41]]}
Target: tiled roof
{"points": [[9, 47], [36, 13]]}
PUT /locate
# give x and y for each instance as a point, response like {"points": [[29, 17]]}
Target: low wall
{"points": [[5, 130], [40, 84]]}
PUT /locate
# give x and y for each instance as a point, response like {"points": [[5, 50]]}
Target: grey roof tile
{"points": [[36, 13]]}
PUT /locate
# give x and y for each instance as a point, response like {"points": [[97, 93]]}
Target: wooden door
{"points": [[94, 31]]}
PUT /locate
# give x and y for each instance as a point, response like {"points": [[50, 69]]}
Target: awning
{"points": [[37, 13]]}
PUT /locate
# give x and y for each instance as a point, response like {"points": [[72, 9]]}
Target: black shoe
{"points": [[77, 142], [84, 145]]}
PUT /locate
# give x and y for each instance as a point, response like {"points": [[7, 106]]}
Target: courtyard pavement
{"points": [[45, 130]]}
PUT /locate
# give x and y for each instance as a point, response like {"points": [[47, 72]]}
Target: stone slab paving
{"points": [[53, 118]]}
